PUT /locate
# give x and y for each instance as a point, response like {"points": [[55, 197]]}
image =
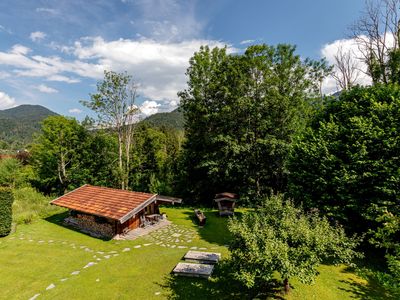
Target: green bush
{"points": [[6, 201], [30, 205]]}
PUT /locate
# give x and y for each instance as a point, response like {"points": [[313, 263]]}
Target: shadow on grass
{"points": [[215, 230], [219, 286], [58, 219], [360, 290]]}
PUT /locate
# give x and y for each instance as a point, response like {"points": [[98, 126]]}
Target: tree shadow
{"points": [[365, 291], [58, 219], [219, 286], [215, 230]]}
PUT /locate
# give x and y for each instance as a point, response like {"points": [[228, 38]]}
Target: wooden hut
{"points": [[102, 211], [226, 203]]}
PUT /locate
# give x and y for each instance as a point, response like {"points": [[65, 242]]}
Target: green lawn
{"points": [[45, 253]]}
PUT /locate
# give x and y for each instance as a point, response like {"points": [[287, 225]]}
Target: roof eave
{"points": [[137, 209]]}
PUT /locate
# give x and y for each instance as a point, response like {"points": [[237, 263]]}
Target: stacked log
{"points": [[87, 223]]}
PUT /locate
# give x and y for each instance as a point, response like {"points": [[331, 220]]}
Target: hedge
{"points": [[6, 201]]}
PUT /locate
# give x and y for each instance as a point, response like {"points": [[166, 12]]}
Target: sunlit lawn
{"points": [[44, 253]]}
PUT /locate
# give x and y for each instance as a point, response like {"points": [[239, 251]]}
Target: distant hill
{"points": [[173, 119], [18, 124]]}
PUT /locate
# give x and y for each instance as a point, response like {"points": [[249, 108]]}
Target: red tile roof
{"points": [[105, 202]]}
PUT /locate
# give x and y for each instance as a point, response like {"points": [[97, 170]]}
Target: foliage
{"points": [[55, 154], [347, 164], [281, 238], [114, 103], [241, 114], [30, 205], [155, 157], [6, 201], [10, 172]]}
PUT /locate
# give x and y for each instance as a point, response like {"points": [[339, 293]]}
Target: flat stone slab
{"points": [[193, 270], [203, 257]]}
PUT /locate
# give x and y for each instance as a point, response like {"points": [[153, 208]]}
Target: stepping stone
{"points": [[157, 293], [40, 241], [176, 235], [64, 279], [112, 252], [146, 245], [202, 248], [193, 248], [177, 241], [31, 240], [21, 238], [51, 241], [100, 252], [88, 250], [137, 246], [188, 241], [162, 245], [97, 280], [94, 256], [34, 297], [116, 254], [107, 256], [173, 246], [82, 247], [64, 243], [126, 249], [193, 270], [182, 247], [99, 259], [75, 273], [89, 265], [51, 286], [202, 257]]}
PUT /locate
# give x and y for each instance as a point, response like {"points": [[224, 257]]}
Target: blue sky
{"points": [[52, 53]]}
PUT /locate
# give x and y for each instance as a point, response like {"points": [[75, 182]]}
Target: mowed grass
{"points": [[45, 253]]}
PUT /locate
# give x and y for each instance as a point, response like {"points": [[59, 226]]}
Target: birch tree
{"points": [[114, 104]]}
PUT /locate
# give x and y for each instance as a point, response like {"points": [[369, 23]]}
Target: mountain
{"points": [[18, 124], [173, 119]]}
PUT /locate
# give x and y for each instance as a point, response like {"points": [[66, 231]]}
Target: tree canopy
{"points": [[241, 114]]}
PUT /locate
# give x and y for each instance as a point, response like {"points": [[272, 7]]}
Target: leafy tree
{"points": [[56, 152], [10, 172], [241, 114], [114, 103], [279, 237], [347, 164]]}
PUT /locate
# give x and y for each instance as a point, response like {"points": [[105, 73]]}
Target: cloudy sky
{"points": [[52, 52]]}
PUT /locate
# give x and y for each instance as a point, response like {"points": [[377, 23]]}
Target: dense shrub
{"points": [[347, 165], [6, 201]]}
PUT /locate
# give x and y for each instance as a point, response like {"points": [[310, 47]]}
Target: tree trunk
{"points": [[121, 168], [286, 285]]}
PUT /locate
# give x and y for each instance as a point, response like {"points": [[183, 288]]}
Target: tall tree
{"points": [[55, 153], [346, 69], [241, 113], [377, 33], [114, 103]]}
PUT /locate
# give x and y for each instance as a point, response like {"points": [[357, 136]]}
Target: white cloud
{"points": [[330, 50], [6, 101], [75, 111], [37, 36], [158, 67], [4, 29], [45, 89], [247, 42], [149, 107], [47, 10], [4, 75]]}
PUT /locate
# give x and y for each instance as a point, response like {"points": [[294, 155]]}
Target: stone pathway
{"points": [[170, 236]]}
